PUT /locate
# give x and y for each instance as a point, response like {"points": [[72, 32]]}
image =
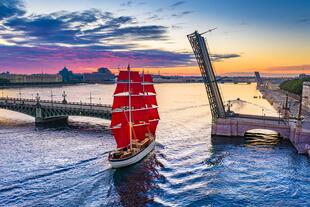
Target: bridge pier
{"points": [[300, 139], [225, 127], [237, 127], [59, 120], [40, 119]]}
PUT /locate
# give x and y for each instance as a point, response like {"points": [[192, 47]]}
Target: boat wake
{"points": [[184, 108]]}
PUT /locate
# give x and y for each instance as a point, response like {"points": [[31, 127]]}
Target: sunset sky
{"points": [[44, 36]]}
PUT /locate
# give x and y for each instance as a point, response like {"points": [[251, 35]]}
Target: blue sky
{"points": [[271, 36]]}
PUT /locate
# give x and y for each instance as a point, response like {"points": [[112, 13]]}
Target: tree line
{"points": [[294, 86]]}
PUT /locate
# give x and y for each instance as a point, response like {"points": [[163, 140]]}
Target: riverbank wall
{"points": [[299, 129]]}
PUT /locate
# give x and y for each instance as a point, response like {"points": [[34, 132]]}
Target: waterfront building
{"points": [[43, 78], [303, 75], [306, 95], [33, 78], [12, 78], [103, 75], [68, 76]]}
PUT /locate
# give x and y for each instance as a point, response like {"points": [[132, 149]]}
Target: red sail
{"points": [[137, 102], [148, 78], [144, 117], [150, 100], [153, 114], [135, 88], [137, 116], [118, 117], [153, 126], [139, 131], [124, 76], [149, 88], [121, 135]]}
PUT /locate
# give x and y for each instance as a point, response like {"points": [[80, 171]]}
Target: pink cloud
{"points": [[82, 59]]}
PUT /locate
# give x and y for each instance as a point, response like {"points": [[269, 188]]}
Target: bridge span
{"points": [[45, 111]]}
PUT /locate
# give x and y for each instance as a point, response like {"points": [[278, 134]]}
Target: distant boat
{"points": [[134, 118]]}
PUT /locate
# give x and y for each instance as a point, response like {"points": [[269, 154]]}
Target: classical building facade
{"points": [[68, 76], [33, 78], [103, 75]]}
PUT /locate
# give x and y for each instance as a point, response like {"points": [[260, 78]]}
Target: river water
{"points": [[67, 166]]}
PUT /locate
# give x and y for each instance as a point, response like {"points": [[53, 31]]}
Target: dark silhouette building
{"points": [[68, 76], [103, 75]]}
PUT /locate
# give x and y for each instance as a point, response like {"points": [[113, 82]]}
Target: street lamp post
{"points": [[52, 96], [20, 94], [37, 98], [64, 95], [263, 115], [90, 99]]}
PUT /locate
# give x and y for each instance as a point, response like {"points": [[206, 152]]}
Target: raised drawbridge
{"points": [[233, 124], [204, 62]]}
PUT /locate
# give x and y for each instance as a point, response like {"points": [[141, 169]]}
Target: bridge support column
{"points": [[41, 119], [225, 127], [300, 139], [38, 113]]}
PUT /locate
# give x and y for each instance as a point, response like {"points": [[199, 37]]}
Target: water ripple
{"points": [[67, 166]]}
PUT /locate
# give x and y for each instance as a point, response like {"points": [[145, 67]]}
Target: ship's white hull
{"points": [[133, 159]]}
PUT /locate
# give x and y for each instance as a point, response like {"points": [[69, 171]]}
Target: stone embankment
{"points": [[300, 130]]}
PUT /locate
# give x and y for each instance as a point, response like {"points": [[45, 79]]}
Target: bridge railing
{"points": [[54, 102], [280, 120], [82, 108]]}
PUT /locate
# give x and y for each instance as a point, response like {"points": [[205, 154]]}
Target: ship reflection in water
{"points": [[134, 183], [68, 166]]}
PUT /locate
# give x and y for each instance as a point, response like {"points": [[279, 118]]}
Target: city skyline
{"points": [[37, 37]]}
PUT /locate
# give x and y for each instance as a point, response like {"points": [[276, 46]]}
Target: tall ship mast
{"points": [[134, 118]]}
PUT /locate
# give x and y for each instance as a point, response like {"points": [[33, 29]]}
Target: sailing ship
{"points": [[134, 118]]}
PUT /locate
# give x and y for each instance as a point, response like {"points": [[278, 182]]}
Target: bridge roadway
{"points": [[46, 111]]}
